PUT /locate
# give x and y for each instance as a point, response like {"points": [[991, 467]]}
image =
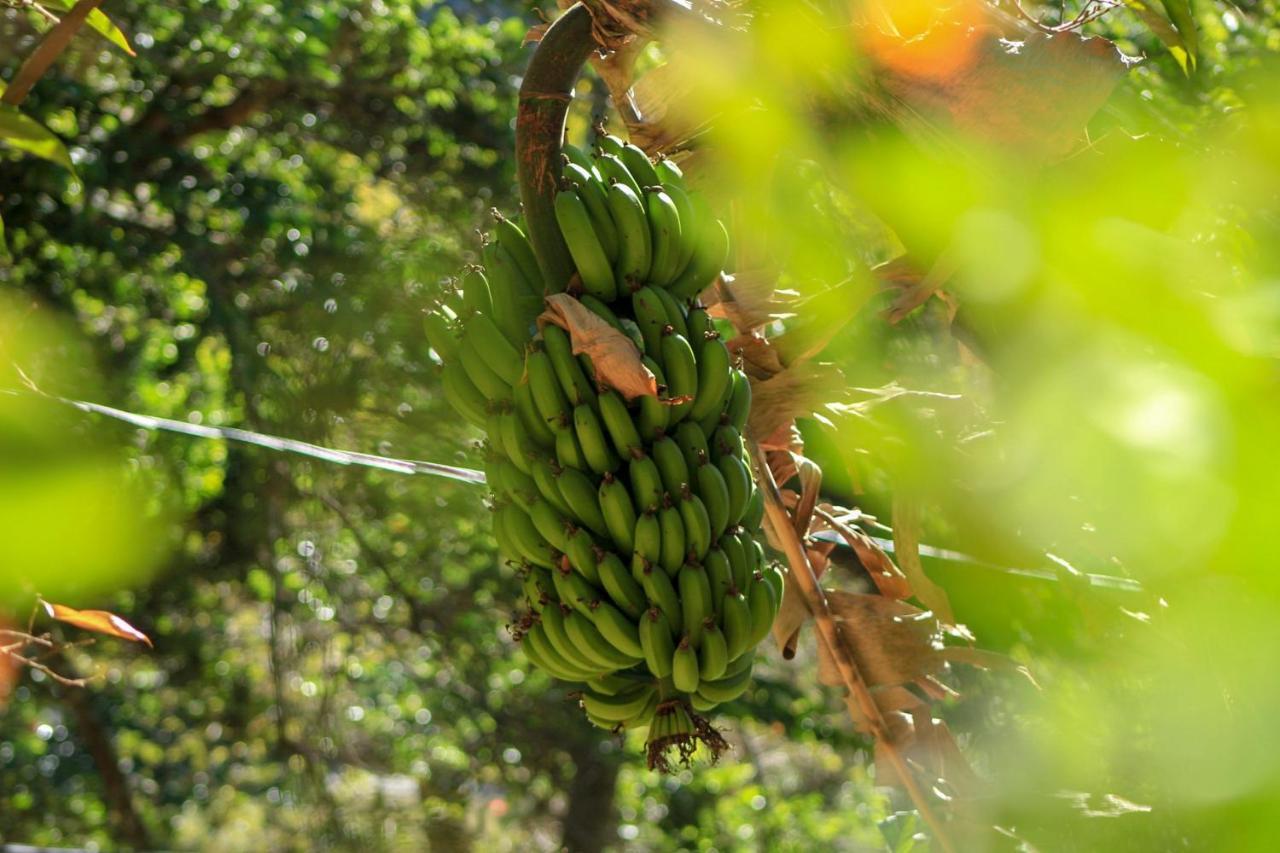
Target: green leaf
{"points": [[4, 249], [1179, 12], [26, 134], [1180, 38], [99, 22]]}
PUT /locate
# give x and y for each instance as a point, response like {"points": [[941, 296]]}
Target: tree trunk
{"points": [[589, 822]]}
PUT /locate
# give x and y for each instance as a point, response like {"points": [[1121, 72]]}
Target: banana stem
{"points": [[860, 701], [544, 101]]}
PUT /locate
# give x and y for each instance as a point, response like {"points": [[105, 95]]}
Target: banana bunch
{"points": [[633, 523]]}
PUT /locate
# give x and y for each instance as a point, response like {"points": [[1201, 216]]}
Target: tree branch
{"points": [[50, 47]]}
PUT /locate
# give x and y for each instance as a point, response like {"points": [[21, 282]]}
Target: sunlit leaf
{"points": [[98, 20], [26, 134], [98, 621]]}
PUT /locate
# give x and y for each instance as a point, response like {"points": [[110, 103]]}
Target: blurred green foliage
{"points": [[268, 196]]}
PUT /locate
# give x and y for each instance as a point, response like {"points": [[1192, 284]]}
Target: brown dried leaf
{"points": [[887, 577], [820, 318], [534, 34], [615, 356], [892, 642], [797, 391], [906, 547], [916, 294], [99, 621], [986, 659], [759, 358], [748, 299]]}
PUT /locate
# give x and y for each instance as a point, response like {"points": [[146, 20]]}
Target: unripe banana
{"points": [[715, 380], [689, 229], [621, 632], [754, 516], [619, 708], [536, 648], [739, 401], [635, 254], [646, 482], [720, 576], [550, 524], [632, 331], [714, 492], [656, 642], [506, 546], [537, 586], [519, 445], [608, 143], [576, 156], [668, 172], [581, 551], [657, 585], [737, 481], [441, 335], [614, 683], [577, 388], [614, 173], [543, 471], [620, 585], [664, 227], [525, 536], [461, 393], [516, 484], [773, 576], [674, 542], [684, 667], [708, 260], [651, 316], [648, 537], [548, 396], [515, 302], [594, 196], [654, 415], [681, 370], [726, 441], [695, 600], [593, 642], [713, 654], [573, 589], [725, 689], [513, 239], [619, 513], [618, 422], [670, 460], [676, 313], [696, 702], [639, 165], [584, 245], [764, 607], [530, 418], [736, 618], [578, 494], [701, 326], [476, 298], [739, 560], [491, 385], [553, 623], [569, 451], [591, 438], [697, 524], [601, 310]]}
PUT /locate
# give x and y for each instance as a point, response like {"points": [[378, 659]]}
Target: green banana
{"points": [[553, 623], [654, 414], [618, 682], [664, 226], [620, 631], [684, 667], [695, 600], [461, 393], [700, 327], [618, 708], [681, 370], [594, 196], [775, 579], [648, 536], [476, 298], [516, 484], [573, 589], [601, 310], [709, 256], [538, 650], [697, 524], [673, 538], [651, 317], [491, 385], [530, 418], [574, 155], [515, 302], [568, 451], [657, 585], [607, 143], [639, 165], [720, 576], [656, 642], [676, 315], [739, 563], [518, 442], [525, 536], [619, 513], [635, 254], [551, 525], [688, 225], [543, 471], [581, 498], [513, 239], [671, 463], [725, 689], [668, 172], [548, 396], [646, 482], [764, 607], [754, 516], [615, 173], [537, 587], [592, 641], [620, 585], [714, 492], [736, 619], [577, 388], [506, 545], [595, 447], [737, 483], [727, 441], [739, 401], [619, 423], [581, 550], [441, 335], [584, 245], [632, 331], [713, 654], [715, 380]]}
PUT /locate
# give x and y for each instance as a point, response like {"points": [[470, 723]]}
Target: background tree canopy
{"points": [[267, 197]]}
